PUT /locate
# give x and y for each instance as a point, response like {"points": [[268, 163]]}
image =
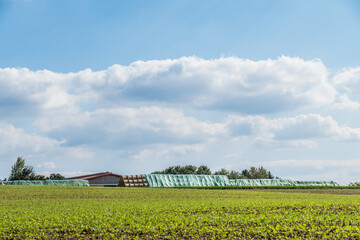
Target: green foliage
{"points": [[203, 170], [33, 176], [222, 171], [235, 175], [258, 173], [56, 176], [188, 169], [355, 184], [43, 212], [21, 172], [252, 173]]}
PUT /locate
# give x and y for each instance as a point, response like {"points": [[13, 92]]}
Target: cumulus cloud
{"points": [[345, 103], [227, 84], [25, 93], [165, 109], [154, 125], [166, 151], [16, 140], [297, 131], [130, 126], [47, 165], [348, 84], [348, 79]]}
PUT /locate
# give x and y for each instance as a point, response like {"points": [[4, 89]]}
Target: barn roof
{"points": [[94, 175]]}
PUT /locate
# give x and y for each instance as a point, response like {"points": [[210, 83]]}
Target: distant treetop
{"points": [[252, 173]]}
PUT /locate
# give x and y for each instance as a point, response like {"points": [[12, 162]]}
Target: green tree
{"points": [[188, 169], [257, 173], [203, 170], [252, 173], [33, 176], [245, 174], [56, 176], [234, 175], [169, 170], [21, 172], [222, 171]]}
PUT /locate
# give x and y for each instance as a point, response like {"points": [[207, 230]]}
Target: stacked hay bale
{"points": [[132, 181]]}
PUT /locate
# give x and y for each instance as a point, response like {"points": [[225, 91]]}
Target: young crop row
{"points": [[36, 212]]}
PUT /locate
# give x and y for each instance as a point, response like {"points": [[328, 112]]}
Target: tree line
{"points": [[20, 171], [251, 173]]}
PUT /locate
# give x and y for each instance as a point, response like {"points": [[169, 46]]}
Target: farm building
{"points": [[104, 179]]}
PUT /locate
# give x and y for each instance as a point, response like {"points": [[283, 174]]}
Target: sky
{"points": [[136, 86]]}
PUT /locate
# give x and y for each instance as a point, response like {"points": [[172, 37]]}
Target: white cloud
{"points": [[297, 131], [121, 127], [226, 84], [348, 79], [166, 110], [161, 151], [128, 126], [143, 154], [180, 149], [344, 103], [47, 165], [347, 82], [16, 140]]}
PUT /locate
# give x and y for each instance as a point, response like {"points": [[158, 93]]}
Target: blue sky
{"points": [[135, 86], [93, 34]]}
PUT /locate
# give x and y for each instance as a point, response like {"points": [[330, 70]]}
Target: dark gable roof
{"points": [[94, 175]]}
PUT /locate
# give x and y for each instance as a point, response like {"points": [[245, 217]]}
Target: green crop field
{"points": [[48, 212]]}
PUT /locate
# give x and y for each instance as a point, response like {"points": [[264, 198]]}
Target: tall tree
{"points": [[21, 172]]}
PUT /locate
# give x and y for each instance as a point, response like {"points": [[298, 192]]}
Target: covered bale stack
{"points": [[82, 183], [279, 182], [186, 180], [132, 181]]}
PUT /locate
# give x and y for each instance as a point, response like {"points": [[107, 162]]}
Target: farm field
{"points": [[53, 212]]}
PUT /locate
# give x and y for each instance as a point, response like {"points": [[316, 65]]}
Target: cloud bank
{"points": [[164, 109], [224, 84]]}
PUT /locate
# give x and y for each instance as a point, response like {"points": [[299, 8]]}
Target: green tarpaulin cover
{"points": [[279, 182], [84, 183], [186, 180], [190, 180]]}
